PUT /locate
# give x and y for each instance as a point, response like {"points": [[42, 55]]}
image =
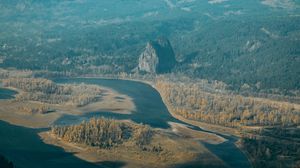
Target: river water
{"points": [[7, 93]]}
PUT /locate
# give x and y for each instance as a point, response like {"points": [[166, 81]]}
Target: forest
{"points": [[105, 133], [257, 46], [269, 128], [4, 163], [192, 102], [273, 148], [46, 91]]}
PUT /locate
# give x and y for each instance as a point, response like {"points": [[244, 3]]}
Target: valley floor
{"points": [[182, 145]]}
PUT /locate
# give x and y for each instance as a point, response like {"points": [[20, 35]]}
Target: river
{"points": [[150, 110]]}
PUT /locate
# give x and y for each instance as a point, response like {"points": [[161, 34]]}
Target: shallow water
{"points": [[7, 93], [25, 149]]}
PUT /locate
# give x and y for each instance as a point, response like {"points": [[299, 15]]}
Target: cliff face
{"points": [[158, 57]]}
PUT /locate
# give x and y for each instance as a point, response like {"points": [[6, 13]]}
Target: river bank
{"points": [[213, 133], [151, 110], [12, 111]]}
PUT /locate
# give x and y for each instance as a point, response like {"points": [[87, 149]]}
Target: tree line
{"points": [[5, 163], [38, 109], [105, 133], [191, 101], [271, 150], [47, 91]]}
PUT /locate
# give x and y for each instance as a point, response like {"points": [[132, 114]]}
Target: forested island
{"points": [[138, 144], [46, 91], [106, 133], [43, 101]]}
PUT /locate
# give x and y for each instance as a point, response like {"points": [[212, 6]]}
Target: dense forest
{"points": [[4, 163], [237, 42], [191, 101], [105, 133], [273, 148], [261, 53], [46, 91], [269, 128]]}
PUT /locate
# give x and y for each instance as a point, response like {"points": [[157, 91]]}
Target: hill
{"points": [[237, 42]]}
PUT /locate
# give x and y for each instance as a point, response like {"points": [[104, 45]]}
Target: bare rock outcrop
{"points": [[158, 57]]}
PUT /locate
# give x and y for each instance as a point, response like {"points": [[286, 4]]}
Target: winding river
{"points": [[150, 110]]}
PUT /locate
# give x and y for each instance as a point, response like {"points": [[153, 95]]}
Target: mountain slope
{"points": [[238, 42]]}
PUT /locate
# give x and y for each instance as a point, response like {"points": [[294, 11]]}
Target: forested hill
{"points": [[239, 42], [264, 54]]}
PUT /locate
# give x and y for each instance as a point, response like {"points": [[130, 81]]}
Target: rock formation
{"points": [[158, 57]]}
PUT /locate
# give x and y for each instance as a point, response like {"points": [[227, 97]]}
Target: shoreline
{"points": [[202, 125], [218, 129], [205, 126], [11, 110]]}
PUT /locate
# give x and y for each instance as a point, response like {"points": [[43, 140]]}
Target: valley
{"points": [[160, 83], [211, 137], [189, 149]]}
